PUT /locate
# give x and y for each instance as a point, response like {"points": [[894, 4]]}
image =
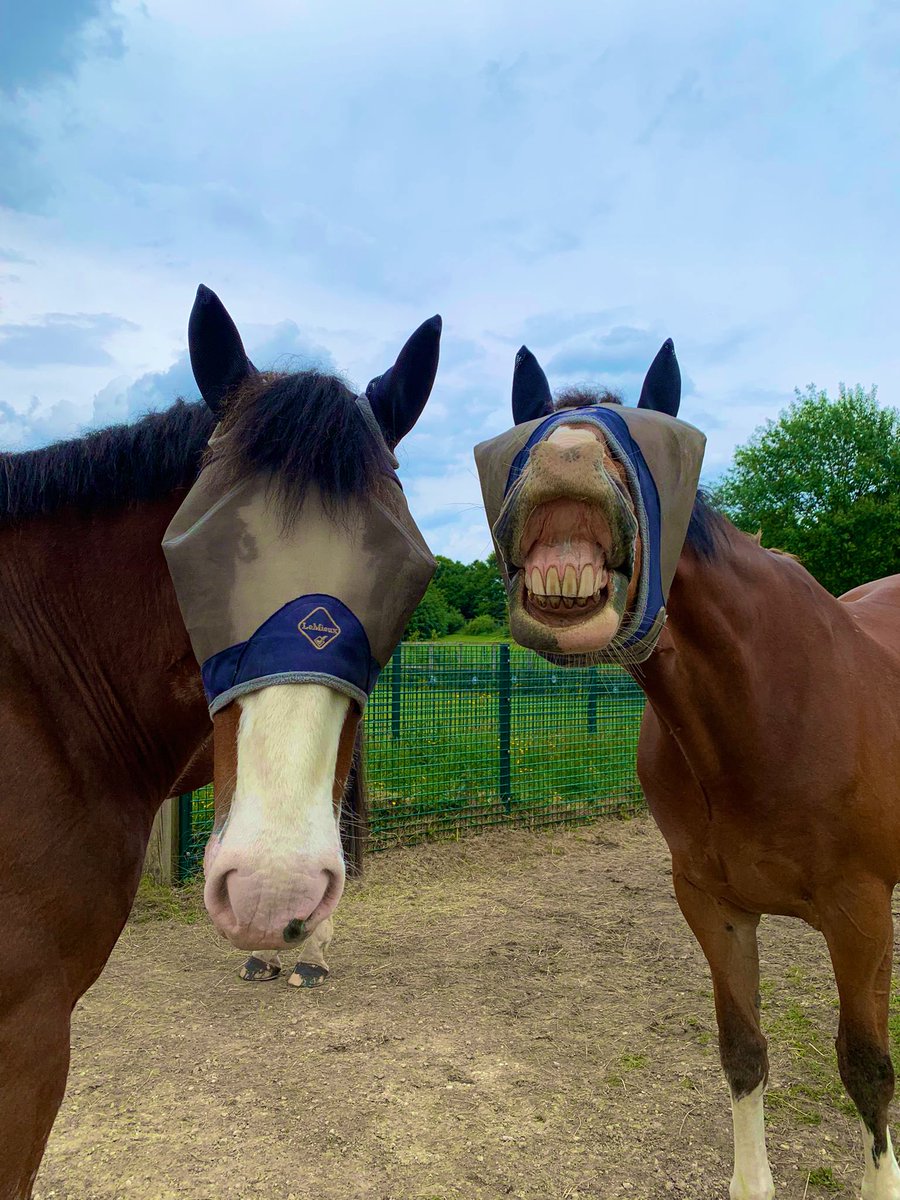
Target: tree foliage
{"points": [[434, 617], [459, 593], [823, 481]]}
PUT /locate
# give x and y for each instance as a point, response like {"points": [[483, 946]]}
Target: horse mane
{"points": [[302, 430], [707, 525], [109, 468]]}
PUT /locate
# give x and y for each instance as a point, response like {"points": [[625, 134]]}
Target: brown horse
{"points": [[102, 709], [770, 747]]}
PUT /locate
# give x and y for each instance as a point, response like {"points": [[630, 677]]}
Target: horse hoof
{"points": [[308, 975], [257, 970]]}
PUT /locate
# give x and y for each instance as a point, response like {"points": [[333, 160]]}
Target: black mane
{"points": [[302, 430], [706, 526], [109, 468]]}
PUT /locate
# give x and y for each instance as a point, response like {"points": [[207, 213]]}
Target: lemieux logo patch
{"points": [[319, 628]]}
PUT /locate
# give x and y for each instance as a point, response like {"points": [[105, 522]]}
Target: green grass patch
{"points": [[823, 1177], [625, 1066], [159, 902]]}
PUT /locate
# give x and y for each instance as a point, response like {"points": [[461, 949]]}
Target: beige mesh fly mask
{"points": [[661, 457], [323, 597], [323, 601]]}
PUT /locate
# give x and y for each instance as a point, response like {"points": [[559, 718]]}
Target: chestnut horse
{"points": [[102, 710], [770, 747]]}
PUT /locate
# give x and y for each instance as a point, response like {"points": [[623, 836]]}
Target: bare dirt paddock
{"points": [[518, 1015]]}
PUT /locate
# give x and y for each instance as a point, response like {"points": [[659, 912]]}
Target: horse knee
{"points": [[744, 1053], [868, 1075]]}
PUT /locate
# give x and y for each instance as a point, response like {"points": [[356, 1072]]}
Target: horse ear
{"points": [[531, 396], [217, 353], [662, 384], [398, 396]]}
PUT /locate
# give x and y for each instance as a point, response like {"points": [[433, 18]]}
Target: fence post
{"points": [[593, 700], [185, 833], [504, 724], [396, 691], [161, 860]]}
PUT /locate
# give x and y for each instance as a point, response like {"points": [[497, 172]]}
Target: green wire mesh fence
{"points": [[464, 737]]}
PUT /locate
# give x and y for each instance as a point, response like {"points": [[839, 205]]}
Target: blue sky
{"points": [[588, 178]]}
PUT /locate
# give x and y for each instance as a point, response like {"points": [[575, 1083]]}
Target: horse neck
{"points": [[751, 645], [91, 619]]}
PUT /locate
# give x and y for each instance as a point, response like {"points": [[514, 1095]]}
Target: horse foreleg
{"points": [[727, 936], [34, 1061], [858, 927], [312, 969]]}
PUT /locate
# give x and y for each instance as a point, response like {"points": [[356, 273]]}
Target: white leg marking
{"points": [[752, 1178], [881, 1182], [314, 948]]}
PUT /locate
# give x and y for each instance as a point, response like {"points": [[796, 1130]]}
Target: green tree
{"points": [[434, 617], [823, 481], [474, 588]]}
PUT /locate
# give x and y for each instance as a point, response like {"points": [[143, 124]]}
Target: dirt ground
{"points": [[518, 1015]]}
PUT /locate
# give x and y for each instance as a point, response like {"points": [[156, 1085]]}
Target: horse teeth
{"points": [[552, 587], [570, 582], [586, 584], [555, 601], [569, 601], [537, 582]]}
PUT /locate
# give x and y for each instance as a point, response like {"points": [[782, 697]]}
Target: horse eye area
{"points": [[565, 550]]}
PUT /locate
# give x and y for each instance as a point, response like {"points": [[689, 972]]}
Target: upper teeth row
{"points": [[571, 585]]}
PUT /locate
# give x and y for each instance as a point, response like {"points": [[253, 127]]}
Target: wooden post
{"points": [[162, 851]]}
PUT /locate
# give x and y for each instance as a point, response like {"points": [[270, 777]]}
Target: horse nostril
{"points": [[293, 931]]}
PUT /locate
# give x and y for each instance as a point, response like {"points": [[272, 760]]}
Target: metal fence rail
{"points": [[463, 737]]}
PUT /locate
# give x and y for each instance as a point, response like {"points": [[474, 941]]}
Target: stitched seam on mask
{"points": [[362, 402], [211, 511], [255, 685], [622, 636]]}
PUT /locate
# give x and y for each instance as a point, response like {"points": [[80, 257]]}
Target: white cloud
{"points": [[547, 174]]}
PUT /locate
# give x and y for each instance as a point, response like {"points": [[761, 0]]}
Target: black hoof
{"points": [[307, 975], [256, 970]]}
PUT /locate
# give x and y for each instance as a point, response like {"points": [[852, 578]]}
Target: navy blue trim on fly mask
{"points": [[312, 639], [620, 443]]}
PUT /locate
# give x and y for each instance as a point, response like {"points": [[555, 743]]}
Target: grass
{"points": [[627, 1064], [812, 1053], [823, 1177], [476, 639], [160, 902]]}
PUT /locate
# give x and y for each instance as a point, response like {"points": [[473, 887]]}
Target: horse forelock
{"points": [[301, 430]]}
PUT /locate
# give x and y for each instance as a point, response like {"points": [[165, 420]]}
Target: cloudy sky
{"points": [[586, 177]]}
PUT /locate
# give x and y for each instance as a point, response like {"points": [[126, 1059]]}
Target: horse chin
{"points": [[567, 629]]}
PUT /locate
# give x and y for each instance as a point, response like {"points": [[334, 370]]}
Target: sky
{"points": [[586, 178]]}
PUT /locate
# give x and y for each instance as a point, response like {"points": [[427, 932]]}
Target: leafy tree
{"points": [[434, 617], [823, 481], [474, 588]]}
